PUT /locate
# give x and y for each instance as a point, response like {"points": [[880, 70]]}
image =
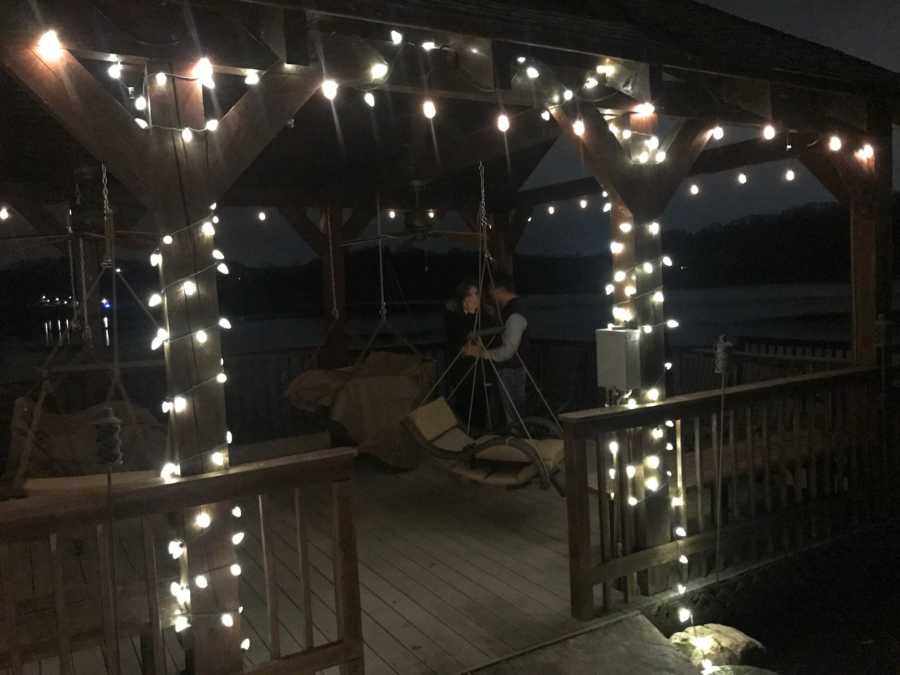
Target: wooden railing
{"points": [[804, 459], [73, 522]]}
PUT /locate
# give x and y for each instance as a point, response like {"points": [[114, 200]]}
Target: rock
{"points": [[738, 670], [716, 644]]}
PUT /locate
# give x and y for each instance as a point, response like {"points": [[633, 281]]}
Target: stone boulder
{"points": [[716, 645]]}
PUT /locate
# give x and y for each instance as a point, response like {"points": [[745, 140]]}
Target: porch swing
{"points": [[364, 402], [516, 456]]}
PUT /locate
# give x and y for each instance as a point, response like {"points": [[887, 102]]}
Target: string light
{"points": [[583, 203], [176, 548], [369, 98], [227, 620], [626, 134], [201, 336], [718, 133], [667, 261], [179, 404], [591, 83], [167, 239], [503, 123], [647, 267], [619, 276], [203, 520], [201, 581], [203, 71], [653, 228], [630, 471], [235, 570], [226, 324], [155, 259], [212, 124], [160, 79], [677, 502], [683, 559], [237, 538], [684, 614], [189, 287], [789, 175], [657, 297], [429, 109], [672, 323], [532, 73], [835, 143], [769, 132], [632, 501], [4, 213], [680, 532], [251, 78], [155, 300], [396, 37], [187, 135], [607, 207], [616, 247], [378, 70], [645, 109], [551, 209], [606, 69], [218, 458], [644, 157], [245, 644], [49, 47], [742, 178], [329, 89], [221, 378], [428, 45], [660, 156], [181, 623], [568, 95], [653, 394], [695, 189], [140, 103], [161, 336], [217, 254], [652, 462], [545, 115], [578, 127], [613, 448], [237, 512], [207, 228], [115, 70]]}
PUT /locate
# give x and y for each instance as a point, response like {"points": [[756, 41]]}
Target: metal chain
{"points": [[335, 312]]}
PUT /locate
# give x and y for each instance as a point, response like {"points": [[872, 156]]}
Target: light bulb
{"points": [[789, 175], [632, 403], [237, 512], [212, 124], [684, 614], [652, 483], [660, 156], [48, 46], [329, 89], [653, 394], [428, 109], [630, 290], [668, 365], [606, 69], [868, 152], [221, 378], [768, 132], [176, 548], [695, 189], [155, 258], [503, 123], [591, 83], [652, 462], [217, 254], [632, 501], [681, 588], [677, 502], [583, 203], [224, 323], [181, 623], [568, 95], [657, 433], [222, 267], [189, 287], [644, 109], [179, 403], [652, 142], [160, 79], [167, 239], [140, 103], [115, 70], [532, 73], [429, 45], [396, 37], [625, 227], [155, 300], [430, 214], [647, 328], [607, 207], [647, 267], [835, 143], [667, 261], [203, 520], [653, 228], [187, 135], [616, 247], [203, 71], [551, 209], [612, 474], [630, 471], [161, 336], [228, 437], [207, 228], [378, 70], [227, 620], [672, 323], [680, 532], [201, 581], [141, 122], [742, 178], [245, 644], [369, 98], [545, 115], [237, 538], [626, 134], [613, 448], [201, 336], [578, 127], [235, 570], [718, 133], [619, 276], [657, 297], [252, 78], [643, 157]]}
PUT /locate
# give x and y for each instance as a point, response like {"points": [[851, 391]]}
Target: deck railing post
{"points": [[346, 575], [579, 527]]}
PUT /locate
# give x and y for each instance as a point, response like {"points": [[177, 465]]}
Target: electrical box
{"points": [[618, 358]]}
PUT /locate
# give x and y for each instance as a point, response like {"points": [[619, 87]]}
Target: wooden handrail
{"points": [[586, 423], [35, 516]]}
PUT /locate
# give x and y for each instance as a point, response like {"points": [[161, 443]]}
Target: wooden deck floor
{"points": [[452, 575]]}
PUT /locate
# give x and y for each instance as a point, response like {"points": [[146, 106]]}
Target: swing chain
{"points": [[335, 312], [107, 212]]}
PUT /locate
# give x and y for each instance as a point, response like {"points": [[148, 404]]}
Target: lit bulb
{"points": [[203, 520], [235, 570], [583, 203], [610, 289], [632, 501], [652, 142], [652, 462], [606, 69], [189, 287], [652, 483], [626, 134], [223, 268], [578, 127], [237, 538], [221, 378], [684, 614], [677, 502], [48, 46], [245, 644], [607, 207], [155, 257], [695, 189], [160, 79], [653, 394], [532, 73], [670, 447], [616, 247], [176, 548], [430, 214], [657, 297], [591, 83], [428, 109], [646, 108], [612, 474], [217, 254], [378, 70], [672, 323], [630, 471], [201, 581], [503, 123], [668, 365], [237, 512], [141, 122], [567, 95], [680, 532], [155, 300], [630, 290], [179, 403], [201, 336], [619, 276], [768, 132], [653, 228], [187, 135], [212, 124], [644, 157], [181, 623], [660, 156], [207, 228], [545, 115], [551, 209], [252, 78], [632, 403], [718, 133], [224, 323], [161, 336], [140, 103], [369, 98], [657, 433], [625, 227], [742, 178], [167, 240], [667, 261], [868, 151], [227, 620], [647, 267], [329, 89], [835, 143], [647, 328], [203, 71], [396, 37], [789, 175], [428, 45], [115, 70], [166, 406], [228, 437]]}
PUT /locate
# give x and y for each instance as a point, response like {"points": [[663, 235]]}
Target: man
{"points": [[512, 352]]}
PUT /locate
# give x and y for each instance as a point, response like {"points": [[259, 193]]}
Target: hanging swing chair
{"points": [[363, 404], [527, 449]]}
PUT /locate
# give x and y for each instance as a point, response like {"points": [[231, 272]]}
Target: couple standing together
{"points": [[508, 352]]}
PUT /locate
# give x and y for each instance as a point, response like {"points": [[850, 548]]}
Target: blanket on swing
{"points": [[369, 401]]}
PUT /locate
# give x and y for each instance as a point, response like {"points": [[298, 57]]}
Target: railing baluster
{"points": [[698, 473], [796, 464], [271, 584], [782, 473], [603, 504], [8, 566], [733, 508], [767, 476], [303, 553], [63, 630], [107, 596], [154, 653], [751, 479], [346, 575], [578, 505], [812, 458]]}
